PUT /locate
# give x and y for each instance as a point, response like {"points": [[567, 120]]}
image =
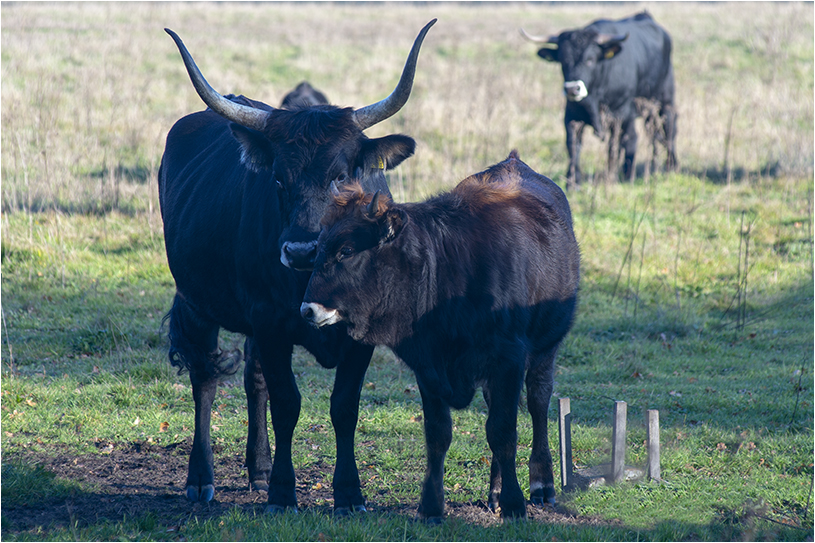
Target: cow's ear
{"points": [[610, 51], [257, 152], [611, 44], [548, 53], [386, 153], [391, 223]]}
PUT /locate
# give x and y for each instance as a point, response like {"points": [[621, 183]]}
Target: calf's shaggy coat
{"points": [[474, 287]]}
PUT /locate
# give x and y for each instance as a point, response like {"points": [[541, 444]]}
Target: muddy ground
{"points": [[133, 479]]}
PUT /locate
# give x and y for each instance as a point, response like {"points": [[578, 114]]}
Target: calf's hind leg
{"points": [[438, 432], [539, 385], [504, 390]]}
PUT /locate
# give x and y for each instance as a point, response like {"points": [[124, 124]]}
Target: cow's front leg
{"points": [[284, 404], [574, 141], [344, 414], [502, 436], [258, 453], [438, 432], [539, 385]]}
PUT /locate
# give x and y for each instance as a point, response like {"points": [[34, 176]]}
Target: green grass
{"points": [[89, 92]]}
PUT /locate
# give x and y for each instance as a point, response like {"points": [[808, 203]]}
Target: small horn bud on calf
{"points": [[474, 287]]}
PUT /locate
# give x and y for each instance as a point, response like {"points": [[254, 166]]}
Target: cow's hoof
{"points": [[200, 494], [433, 521], [273, 509], [260, 484], [348, 511], [492, 501]]}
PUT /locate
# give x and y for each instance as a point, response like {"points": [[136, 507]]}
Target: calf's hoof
{"points": [[273, 509], [260, 484], [433, 521], [200, 493], [543, 497], [348, 511], [513, 514]]}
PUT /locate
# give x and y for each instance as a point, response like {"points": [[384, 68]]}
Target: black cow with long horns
{"points": [[242, 187], [609, 67]]}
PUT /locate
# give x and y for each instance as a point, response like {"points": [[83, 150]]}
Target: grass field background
{"points": [[696, 299]]}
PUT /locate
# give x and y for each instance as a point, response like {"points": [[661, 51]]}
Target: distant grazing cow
{"points": [[242, 188], [606, 66], [474, 287], [303, 96]]}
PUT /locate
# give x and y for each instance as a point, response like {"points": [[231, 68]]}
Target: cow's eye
{"points": [[342, 178], [345, 252]]}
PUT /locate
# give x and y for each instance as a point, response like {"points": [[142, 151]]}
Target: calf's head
{"points": [[580, 54], [307, 149], [354, 270]]}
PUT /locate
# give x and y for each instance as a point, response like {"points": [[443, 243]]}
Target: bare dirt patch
{"points": [[138, 478]]}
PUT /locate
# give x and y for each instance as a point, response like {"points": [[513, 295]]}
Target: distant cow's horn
{"points": [[373, 207], [367, 116], [243, 115], [547, 42], [603, 39]]}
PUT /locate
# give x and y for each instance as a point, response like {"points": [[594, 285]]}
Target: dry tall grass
{"points": [[90, 90]]}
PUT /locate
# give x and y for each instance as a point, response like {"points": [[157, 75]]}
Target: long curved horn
{"points": [[546, 42], [243, 115], [366, 117]]}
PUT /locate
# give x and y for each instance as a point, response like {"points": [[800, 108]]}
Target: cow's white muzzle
{"points": [[575, 90]]}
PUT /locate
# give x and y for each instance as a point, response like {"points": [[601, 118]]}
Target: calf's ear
{"points": [[257, 152], [386, 153], [391, 224]]}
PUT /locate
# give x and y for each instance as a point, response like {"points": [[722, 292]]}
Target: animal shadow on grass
{"points": [[138, 479]]}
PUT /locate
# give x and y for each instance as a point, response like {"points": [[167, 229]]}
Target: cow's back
{"points": [[645, 58]]}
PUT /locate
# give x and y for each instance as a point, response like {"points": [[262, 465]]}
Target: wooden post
{"points": [[618, 442], [654, 472], [565, 429]]}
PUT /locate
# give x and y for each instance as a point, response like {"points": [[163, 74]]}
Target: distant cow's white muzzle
{"points": [[319, 315], [575, 90]]}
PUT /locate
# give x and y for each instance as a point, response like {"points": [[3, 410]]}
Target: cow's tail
{"points": [[188, 356]]}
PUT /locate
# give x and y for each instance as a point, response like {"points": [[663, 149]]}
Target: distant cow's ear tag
{"points": [[380, 164], [610, 53]]}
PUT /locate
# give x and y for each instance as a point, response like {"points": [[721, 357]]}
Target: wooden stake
{"points": [[654, 472], [618, 442], [565, 430]]}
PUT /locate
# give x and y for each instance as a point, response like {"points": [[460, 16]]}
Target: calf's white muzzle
{"points": [[319, 315]]}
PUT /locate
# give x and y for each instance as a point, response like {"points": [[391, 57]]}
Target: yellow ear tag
{"points": [[609, 53], [380, 164]]}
